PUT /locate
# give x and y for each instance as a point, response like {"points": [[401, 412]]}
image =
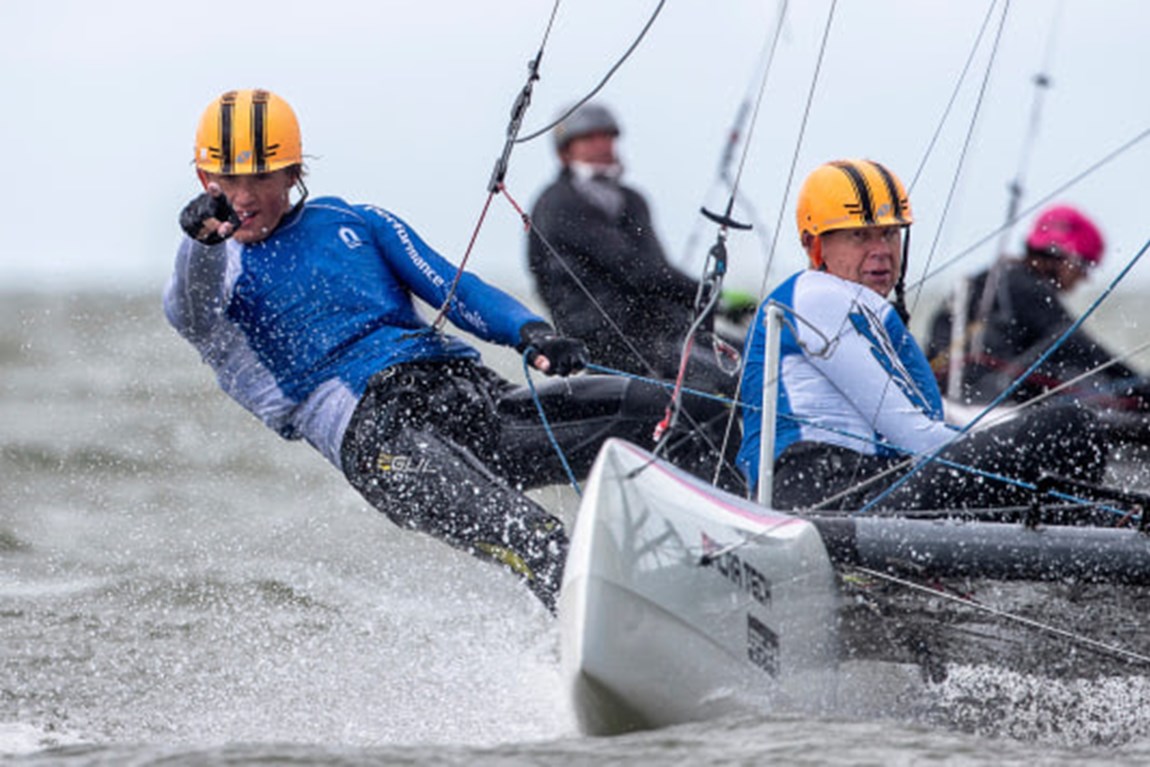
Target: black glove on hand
{"points": [[196, 214], [563, 356]]}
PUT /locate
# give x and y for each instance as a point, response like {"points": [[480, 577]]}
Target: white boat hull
{"points": [[682, 603]]}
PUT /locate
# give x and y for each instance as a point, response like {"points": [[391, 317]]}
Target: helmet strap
{"points": [[900, 286]]}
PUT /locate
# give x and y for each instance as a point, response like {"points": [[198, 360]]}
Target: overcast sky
{"points": [[405, 105]]}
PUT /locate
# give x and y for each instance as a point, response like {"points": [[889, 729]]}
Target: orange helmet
{"points": [[248, 131], [850, 194]]}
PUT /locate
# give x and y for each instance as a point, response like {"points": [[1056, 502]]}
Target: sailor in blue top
{"points": [[305, 312], [856, 394]]}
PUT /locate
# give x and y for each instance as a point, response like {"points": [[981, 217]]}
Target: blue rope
{"points": [[870, 440], [842, 432], [1015, 384], [610, 371], [668, 385], [547, 425], [959, 466]]}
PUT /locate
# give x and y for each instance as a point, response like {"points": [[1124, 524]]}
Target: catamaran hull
{"points": [[682, 603], [948, 548]]}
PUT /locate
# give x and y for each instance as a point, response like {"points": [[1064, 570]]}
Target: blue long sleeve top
{"points": [[294, 325]]}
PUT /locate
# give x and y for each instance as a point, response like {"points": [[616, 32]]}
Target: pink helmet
{"points": [[1063, 230]]}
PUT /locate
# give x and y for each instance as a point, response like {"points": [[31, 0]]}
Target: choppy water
{"points": [[179, 586]]}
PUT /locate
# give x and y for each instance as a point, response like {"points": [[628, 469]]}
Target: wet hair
{"points": [[298, 172]]}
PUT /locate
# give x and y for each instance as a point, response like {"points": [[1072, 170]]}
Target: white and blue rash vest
{"points": [[296, 324], [850, 374]]}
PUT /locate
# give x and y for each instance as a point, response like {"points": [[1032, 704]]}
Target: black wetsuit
{"points": [[1025, 319], [444, 448], [1063, 440]]}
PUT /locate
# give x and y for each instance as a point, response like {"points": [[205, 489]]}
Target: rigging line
{"points": [[1091, 169], [757, 326], [445, 307], [1069, 385], [671, 416], [826, 503], [799, 143], [953, 96], [718, 252], [860, 485], [967, 141], [1015, 188], [735, 135], [758, 106], [518, 110], [710, 557], [668, 385], [554, 253], [547, 425], [709, 287], [1085, 641], [1041, 83], [677, 386], [603, 82], [1017, 381]]}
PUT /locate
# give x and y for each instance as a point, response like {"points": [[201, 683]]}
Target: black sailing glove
{"points": [[202, 217], [551, 353]]}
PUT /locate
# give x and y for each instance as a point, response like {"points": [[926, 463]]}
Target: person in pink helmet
{"points": [[1008, 330]]}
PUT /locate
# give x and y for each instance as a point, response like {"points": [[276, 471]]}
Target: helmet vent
{"points": [[227, 115], [865, 205]]}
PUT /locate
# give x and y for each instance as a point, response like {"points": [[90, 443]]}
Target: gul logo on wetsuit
{"points": [[402, 463]]}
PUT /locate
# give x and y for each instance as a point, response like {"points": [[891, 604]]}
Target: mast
{"points": [[1016, 188], [957, 359]]}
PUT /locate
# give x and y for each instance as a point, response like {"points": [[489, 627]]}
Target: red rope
{"points": [[526, 219], [677, 392]]}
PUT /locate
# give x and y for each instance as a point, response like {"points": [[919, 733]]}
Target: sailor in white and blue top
{"points": [[856, 396], [850, 374]]}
